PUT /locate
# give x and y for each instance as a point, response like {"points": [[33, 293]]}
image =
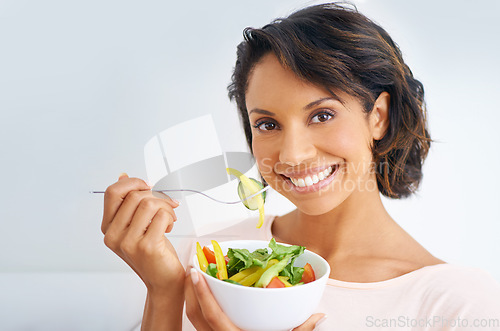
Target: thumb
{"points": [[311, 323], [122, 176]]}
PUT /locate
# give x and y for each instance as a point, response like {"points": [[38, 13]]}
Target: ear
{"points": [[379, 117]]}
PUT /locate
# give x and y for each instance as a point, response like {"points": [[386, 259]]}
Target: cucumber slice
{"points": [[244, 191], [232, 282], [248, 188]]}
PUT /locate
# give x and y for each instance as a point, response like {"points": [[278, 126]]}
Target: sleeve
{"points": [[471, 302], [483, 309]]}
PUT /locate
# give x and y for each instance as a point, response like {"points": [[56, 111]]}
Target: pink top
{"points": [[438, 297]]}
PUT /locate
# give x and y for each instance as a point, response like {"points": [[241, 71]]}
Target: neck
{"points": [[356, 226]]}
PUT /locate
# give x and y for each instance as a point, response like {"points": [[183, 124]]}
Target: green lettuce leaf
{"points": [[241, 259], [280, 251], [272, 272], [212, 270], [294, 274]]}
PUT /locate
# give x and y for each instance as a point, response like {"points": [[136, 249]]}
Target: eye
{"points": [[322, 117], [265, 126]]}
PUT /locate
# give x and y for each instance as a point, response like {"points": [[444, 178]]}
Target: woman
{"points": [[334, 118]]}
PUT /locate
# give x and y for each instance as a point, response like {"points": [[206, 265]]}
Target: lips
{"points": [[311, 180]]}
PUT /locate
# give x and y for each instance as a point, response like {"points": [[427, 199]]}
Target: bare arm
{"points": [[163, 311], [134, 226]]}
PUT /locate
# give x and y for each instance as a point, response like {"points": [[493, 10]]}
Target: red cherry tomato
{"points": [[308, 275], [275, 283]]}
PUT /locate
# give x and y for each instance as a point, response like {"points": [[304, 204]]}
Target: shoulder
{"points": [[461, 278], [469, 290]]}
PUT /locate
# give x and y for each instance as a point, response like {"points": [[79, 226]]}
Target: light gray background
{"points": [[84, 85]]}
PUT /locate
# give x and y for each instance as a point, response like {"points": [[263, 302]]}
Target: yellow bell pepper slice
{"points": [[284, 280], [261, 217], [253, 188], [202, 259], [244, 273], [254, 277], [220, 261]]}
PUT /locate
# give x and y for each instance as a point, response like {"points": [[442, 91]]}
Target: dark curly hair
{"points": [[337, 47]]}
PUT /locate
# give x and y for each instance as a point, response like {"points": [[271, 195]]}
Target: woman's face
{"points": [[309, 146]]}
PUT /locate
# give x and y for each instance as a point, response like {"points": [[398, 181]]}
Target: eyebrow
{"points": [[319, 101], [307, 107]]}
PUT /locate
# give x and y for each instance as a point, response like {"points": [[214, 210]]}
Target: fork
{"points": [[206, 195]]}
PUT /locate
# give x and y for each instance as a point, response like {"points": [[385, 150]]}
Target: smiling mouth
{"points": [[313, 179]]}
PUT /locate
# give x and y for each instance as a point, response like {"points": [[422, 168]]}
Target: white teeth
{"points": [[311, 180], [308, 181]]}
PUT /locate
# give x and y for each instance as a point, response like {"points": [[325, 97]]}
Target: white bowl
{"points": [[269, 309]]}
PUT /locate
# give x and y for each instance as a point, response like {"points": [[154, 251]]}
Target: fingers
{"points": [[121, 191], [212, 313], [312, 322], [161, 223], [193, 309], [148, 211], [174, 203], [132, 204], [134, 219], [116, 193]]}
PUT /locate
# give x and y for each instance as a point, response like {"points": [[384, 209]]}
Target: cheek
{"points": [[343, 141], [350, 143]]}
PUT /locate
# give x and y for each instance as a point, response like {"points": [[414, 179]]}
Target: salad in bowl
{"points": [[263, 285]]}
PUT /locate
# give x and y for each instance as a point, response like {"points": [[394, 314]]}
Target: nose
{"points": [[296, 147]]}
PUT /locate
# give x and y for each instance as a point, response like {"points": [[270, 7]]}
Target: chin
{"points": [[314, 207]]}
